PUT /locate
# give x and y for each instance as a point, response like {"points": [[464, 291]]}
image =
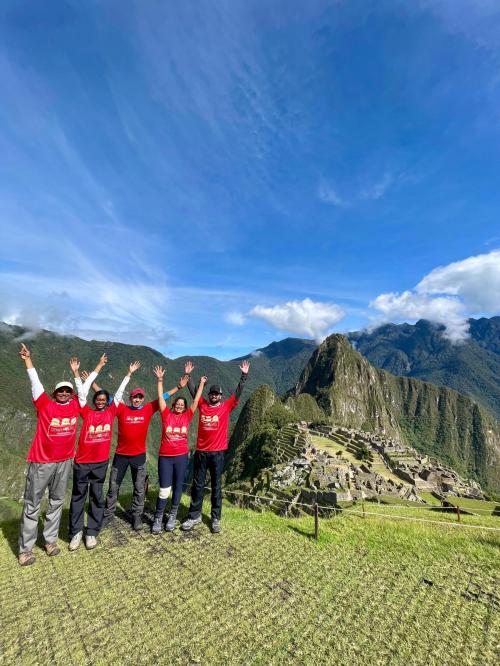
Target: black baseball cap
{"points": [[215, 388]]}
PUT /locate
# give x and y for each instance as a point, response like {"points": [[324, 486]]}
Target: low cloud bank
{"points": [[448, 295]]}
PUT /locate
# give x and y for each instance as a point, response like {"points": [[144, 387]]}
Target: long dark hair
{"points": [[177, 400]]}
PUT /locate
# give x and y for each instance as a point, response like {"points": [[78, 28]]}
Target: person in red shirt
{"points": [[133, 424], [174, 451], [50, 459], [210, 447], [91, 460]]}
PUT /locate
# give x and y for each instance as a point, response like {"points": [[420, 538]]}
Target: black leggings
{"points": [[171, 473]]}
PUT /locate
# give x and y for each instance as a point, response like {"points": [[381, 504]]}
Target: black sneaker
{"points": [[156, 527], [172, 517], [137, 523], [216, 528]]}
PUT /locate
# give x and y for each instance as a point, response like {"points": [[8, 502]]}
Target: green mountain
{"points": [[421, 351], [433, 419], [339, 384], [279, 365]]}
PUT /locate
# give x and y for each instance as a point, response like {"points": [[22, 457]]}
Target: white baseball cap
{"points": [[64, 385]]}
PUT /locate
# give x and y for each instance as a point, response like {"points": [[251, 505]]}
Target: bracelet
{"points": [[179, 387]]}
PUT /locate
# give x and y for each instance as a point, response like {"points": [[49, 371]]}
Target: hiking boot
{"points": [[90, 541], [172, 517], [216, 526], [26, 559], [190, 523], [52, 549], [156, 527], [75, 542], [137, 523]]}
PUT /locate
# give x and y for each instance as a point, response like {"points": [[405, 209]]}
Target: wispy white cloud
{"points": [[379, 188], [329, 195], [235, 318], [306, 317], [448, 295]]}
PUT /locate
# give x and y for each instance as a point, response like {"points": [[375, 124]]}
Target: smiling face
{"points": [[214, 398], [179, 406], [137, 401], [63, 395], [100, 401]]}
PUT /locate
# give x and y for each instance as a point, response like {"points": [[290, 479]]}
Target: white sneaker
{"points": [[90, 542], [75, 542]]}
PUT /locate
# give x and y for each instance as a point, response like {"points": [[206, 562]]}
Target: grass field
{"points": [[370, 591]]}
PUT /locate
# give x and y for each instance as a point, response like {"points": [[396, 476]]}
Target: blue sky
{"points": [[206, 177]]}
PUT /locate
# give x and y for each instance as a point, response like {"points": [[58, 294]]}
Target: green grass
{"points": [[370, 591]]}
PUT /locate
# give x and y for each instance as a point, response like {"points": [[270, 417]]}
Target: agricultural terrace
{"points": [[370, 591]]}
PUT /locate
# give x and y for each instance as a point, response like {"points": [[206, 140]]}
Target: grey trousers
{"points": [[53, 476]]}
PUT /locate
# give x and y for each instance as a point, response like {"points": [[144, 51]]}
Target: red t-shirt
{"points": [[96, 434], [55, 435], [133, 427], [174, 433], [214, 423]]}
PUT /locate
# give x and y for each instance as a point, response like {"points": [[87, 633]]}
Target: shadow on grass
{"points": [[301, 531]]}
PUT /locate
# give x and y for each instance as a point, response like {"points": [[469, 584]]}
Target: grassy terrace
{"points": [[369, 591], [325, 444]]}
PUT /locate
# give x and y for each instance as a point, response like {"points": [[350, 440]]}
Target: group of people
{"points": [[52, 454]]}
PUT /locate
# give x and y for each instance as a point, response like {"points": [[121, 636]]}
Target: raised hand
{"points": [[183, 381], [203, 380], [188, 367], [102, 361], [84, 375], [135, 365], [74, 364], [24, 352], [245, 367], [159, 372]]}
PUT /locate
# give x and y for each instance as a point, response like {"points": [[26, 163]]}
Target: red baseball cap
{"points": [[137, 391]]}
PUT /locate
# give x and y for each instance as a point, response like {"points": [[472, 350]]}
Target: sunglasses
{"points": [[64, 390]]}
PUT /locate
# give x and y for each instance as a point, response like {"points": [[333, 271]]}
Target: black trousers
{"points": [[119, 468], [87, 478], [213, 461]]}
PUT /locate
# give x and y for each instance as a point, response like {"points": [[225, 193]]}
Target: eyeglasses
{"points": [[64, 390]]}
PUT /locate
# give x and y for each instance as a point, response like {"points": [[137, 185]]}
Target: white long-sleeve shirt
{"points": [[80, 388], [37, 386]]}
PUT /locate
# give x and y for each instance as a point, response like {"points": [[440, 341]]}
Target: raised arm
{"points": [[135, 365], [244, 367], [83, 389], [36, 385], [83, 375], [181, 384], [159, 372], [188, 369], [199, 391]]}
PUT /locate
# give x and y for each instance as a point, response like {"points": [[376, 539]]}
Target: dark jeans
{"points": [[213, 461], [171, 473], [87, 478], [119, 468]]}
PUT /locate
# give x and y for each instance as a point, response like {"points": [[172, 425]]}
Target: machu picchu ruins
{"points": [[329, 464]]}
